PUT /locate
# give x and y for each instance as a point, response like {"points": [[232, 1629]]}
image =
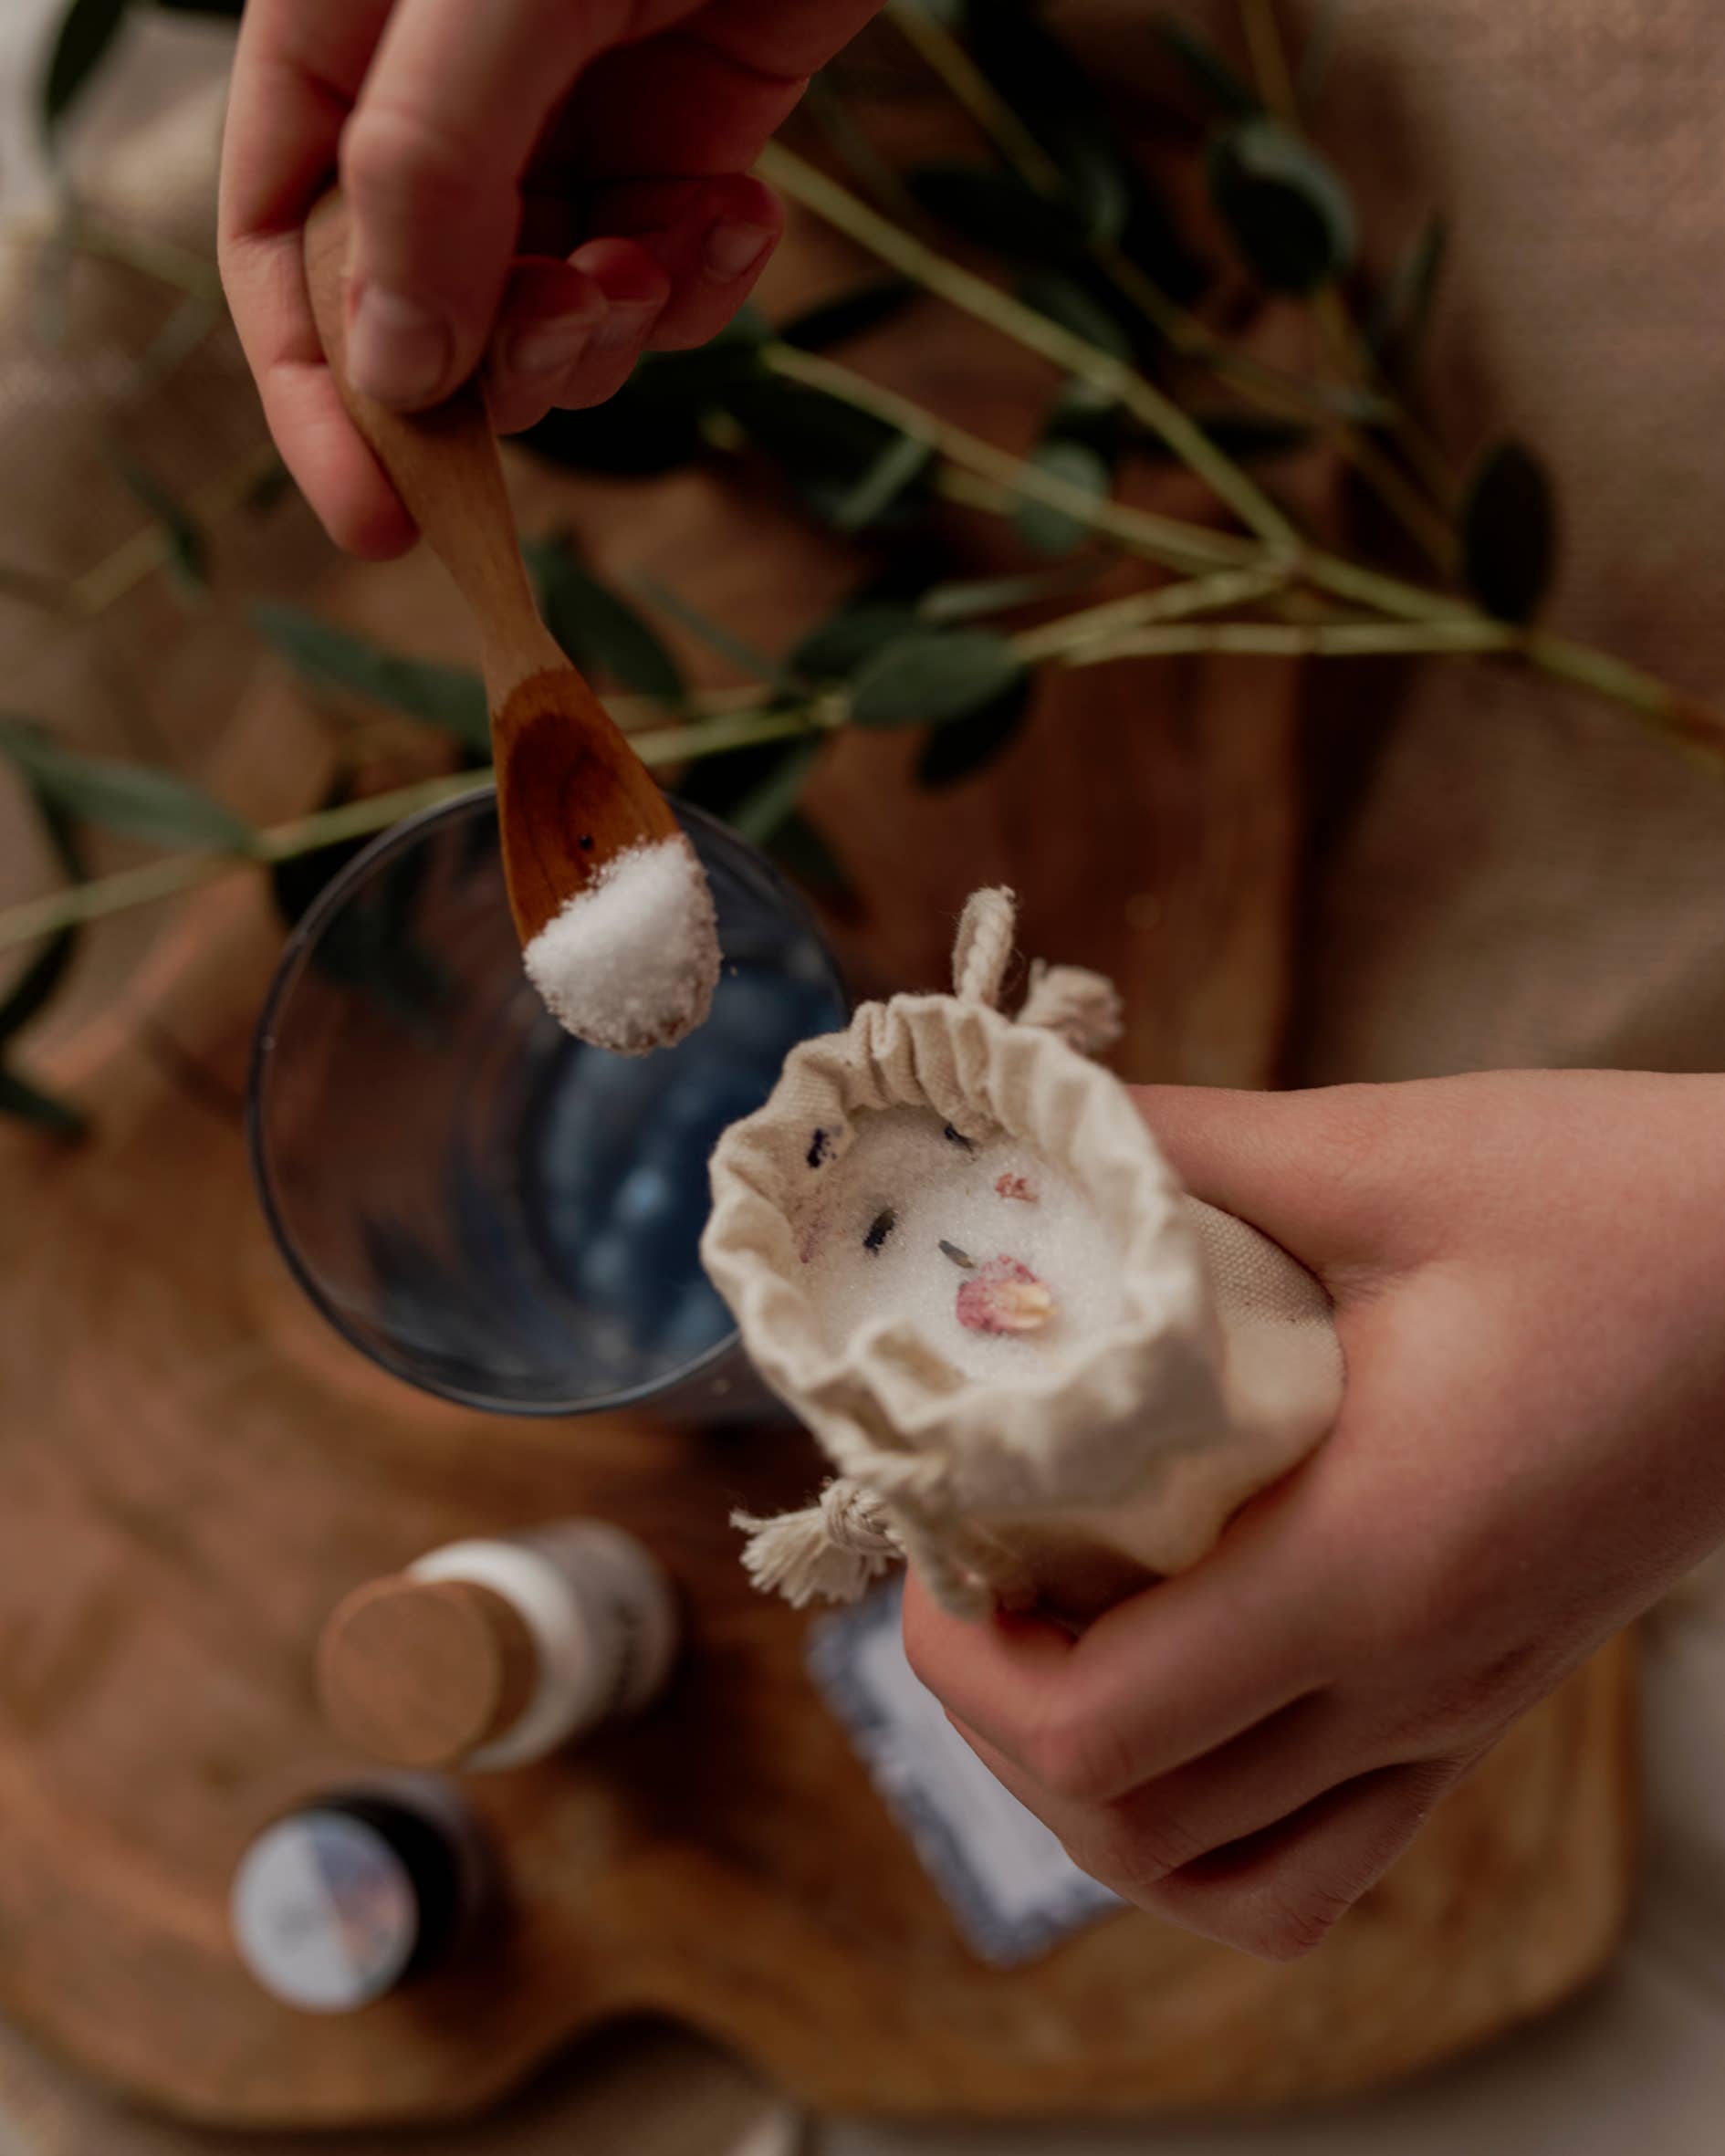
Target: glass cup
{"points": [[491, 1209]]}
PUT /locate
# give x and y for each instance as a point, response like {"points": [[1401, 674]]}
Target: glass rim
{"points": [[301, 940]]}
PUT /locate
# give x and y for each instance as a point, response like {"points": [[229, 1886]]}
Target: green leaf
{"points": [[655, 421], [86, 30], [1066, 301], [953, 752], [1396, 328], [335, 659], [135, 800], [35, 985], [968, 599], [1508, 527], [1284, 208], [601, 632], [1219, 82], [900, 464], [1060, 106], [741, 654], [1313, 69], [29, 1103], [836, 321], [996, 209], [802, 849], [827, 447], [187, 554], [1039, 524], [932, 676], [833, 651], [763, 809]]}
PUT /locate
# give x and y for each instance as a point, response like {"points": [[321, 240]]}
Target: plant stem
{"points": [[944, 56], [1038, 334], [1167, 540], [1268, 56], [1299, 640], [154, 880], [147, 550], [1171, 602]]}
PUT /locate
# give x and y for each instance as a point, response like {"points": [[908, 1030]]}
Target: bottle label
{"points": [[1012, 1888], [324, 1912]]}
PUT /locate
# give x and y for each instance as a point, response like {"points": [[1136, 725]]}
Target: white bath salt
{"points": [[908, 1200], [631, 963]]}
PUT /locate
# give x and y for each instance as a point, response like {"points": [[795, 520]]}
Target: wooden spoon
{"points": [[571, 794]]}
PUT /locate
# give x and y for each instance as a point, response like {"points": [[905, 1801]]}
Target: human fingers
{"points": [[1243, 1787], [431, 162], [711, 238], [1161, 1679], [1278, 1894], [571, 332], [297, 66], [1335, 1174]]}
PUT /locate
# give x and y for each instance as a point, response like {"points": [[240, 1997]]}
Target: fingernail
{"points": [[732, 248], [398, 350], [550, 346], [624, 324]]}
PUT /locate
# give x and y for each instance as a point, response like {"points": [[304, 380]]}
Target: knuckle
{"points": [[390, 156], [1077, 1755], [1128, 1847]]}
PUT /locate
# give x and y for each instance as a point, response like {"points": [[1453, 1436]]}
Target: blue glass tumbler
{"points": [[490, 1210]]}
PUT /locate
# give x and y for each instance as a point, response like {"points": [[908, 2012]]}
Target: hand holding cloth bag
{"points": [[1077, 1477]]}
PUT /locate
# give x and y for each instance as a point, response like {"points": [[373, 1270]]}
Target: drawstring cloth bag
{"points": [[1043, 1374]]}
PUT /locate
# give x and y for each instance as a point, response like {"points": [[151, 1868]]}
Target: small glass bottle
{"points": [[492, 1653], [349, 1896]]}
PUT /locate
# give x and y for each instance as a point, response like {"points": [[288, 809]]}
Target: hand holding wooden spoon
{"points": [[612, 906]]}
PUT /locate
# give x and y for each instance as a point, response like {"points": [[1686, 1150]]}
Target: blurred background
{"points": [[1442, 287]]}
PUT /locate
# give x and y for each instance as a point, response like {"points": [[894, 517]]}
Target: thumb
{"points": [[431, 160], [1325, 1173]]}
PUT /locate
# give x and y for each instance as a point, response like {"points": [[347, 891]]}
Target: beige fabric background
{"points": [[1521, 878]]}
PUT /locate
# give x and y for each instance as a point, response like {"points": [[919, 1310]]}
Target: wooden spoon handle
{"points": [[443, 464]]}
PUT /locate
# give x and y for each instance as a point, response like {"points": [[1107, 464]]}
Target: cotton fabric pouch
{"points": [[1104, 1454]]}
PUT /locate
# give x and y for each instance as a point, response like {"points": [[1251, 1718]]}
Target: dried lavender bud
{"points": [[819, 1146], [1004, 1297], [958, 1138], [959, 1257], [880, 1228]]}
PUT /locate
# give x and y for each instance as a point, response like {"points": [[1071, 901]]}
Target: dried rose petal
{"points": [[1004, 1297], [1019, 1187]]}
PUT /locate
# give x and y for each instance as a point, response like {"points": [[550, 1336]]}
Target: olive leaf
{"points": [[1066, 301], [965, 745], [1507, 532], [899, 465], [1219, 82], [135, 800], [836, 321], [803, 850], [828, 449], [968, 598], [746, 657], [187, 551], [1041, 525], [330, 658], [598, 630], [838, 646], [1286, 211], [763, 809], [933, 675], [998, 210], [29, 1103], [1397, 325], [86, 30], [657, 420]]}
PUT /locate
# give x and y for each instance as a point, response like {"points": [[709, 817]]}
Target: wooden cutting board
{"points": [[192, 1472]]}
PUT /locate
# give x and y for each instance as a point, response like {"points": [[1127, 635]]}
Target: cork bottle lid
{"points": [[424, 1672]]}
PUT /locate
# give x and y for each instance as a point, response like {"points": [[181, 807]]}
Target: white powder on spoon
{"points": [[631, 963]]}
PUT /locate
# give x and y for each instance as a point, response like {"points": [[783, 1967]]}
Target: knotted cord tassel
{"points": [[830, 1551], [1085, 1009]]}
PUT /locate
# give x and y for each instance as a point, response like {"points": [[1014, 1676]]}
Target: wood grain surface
{"points": [[193, 1472]]}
